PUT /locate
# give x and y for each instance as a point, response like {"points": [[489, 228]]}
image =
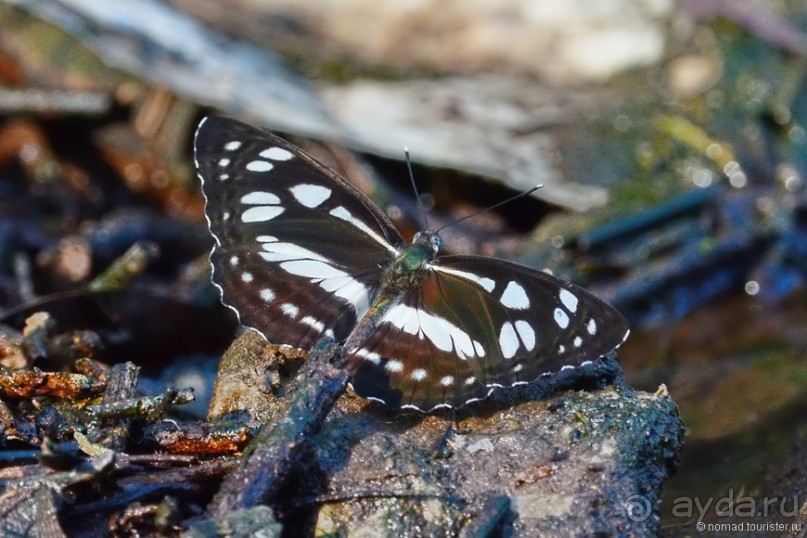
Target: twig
{"points": [[277, 448], [121, 386]]}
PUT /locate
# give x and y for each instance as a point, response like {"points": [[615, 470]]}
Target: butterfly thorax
{"points": [[410, 265]]}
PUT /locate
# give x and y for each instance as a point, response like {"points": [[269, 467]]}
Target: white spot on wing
{"points": [[310, 195], [486, 283], [290, 310], [233, 260], [508, 341], [434, 329], [302, 262], [232, 145], [224, 162], [441, 332], [279, 252], [627, 333], [400, 316], [259, 166], [526, 333], [311, 269], [261, 213], [515, 297], [247, 277], [470, 381], [276, 154], [351, 290], [561, 318], [260, 197], [577, 341], [568, 299], [394, 366], [592, 327], [419, 374], [447, 381], [313, 323], [343, 214], [371, 356], [267, 295]]}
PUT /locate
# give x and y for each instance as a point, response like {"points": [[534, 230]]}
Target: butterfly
{"points": [[301, 254]]}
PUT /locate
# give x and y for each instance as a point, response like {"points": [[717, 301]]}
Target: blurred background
{"points": [[670, 137]]}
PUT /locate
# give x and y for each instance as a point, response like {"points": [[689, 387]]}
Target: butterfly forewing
{"points": [[299, 251], [478, 323]]}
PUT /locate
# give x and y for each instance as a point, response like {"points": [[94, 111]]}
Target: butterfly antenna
{"points": [[494, 206], [40, 301], [415, 188]]}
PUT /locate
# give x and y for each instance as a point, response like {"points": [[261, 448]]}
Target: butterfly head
{"points": [[430, 240]]}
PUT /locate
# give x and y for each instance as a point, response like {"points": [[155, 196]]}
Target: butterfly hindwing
{"points": [[474, 324], [299, 251]]}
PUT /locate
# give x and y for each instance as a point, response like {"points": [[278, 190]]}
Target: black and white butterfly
{"points": [[301, 254]]}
